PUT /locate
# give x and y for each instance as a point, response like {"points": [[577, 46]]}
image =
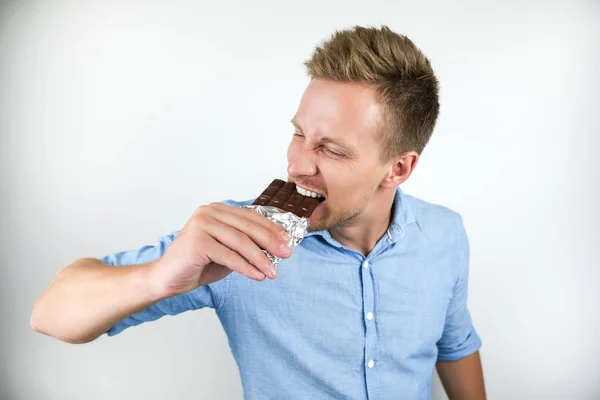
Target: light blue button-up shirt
{"points": [[336, 324]]}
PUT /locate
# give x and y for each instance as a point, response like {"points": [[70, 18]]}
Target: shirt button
{"points": [[370, 364], [369, 315], [366, 264]]}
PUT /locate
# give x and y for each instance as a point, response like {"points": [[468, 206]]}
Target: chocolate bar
{"points": [[284, 196]]}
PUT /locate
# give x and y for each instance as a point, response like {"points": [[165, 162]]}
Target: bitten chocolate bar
{"points": [[283, 195]]}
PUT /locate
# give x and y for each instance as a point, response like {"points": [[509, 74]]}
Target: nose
{"points": [[300, 163]]}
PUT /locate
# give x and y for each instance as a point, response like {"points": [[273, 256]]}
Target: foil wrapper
{"points": [[296, 227]]}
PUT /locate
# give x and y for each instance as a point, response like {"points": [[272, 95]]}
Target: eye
{"points": [[333, 153], [298, 135]]}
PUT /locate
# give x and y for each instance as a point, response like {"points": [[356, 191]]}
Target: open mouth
{"points": [[309, 193]]}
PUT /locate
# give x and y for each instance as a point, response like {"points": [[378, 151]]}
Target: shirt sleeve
{"points": [[203, 296], [459, 338]]}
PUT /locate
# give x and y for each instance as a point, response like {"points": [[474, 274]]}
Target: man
{"points": [[371, 300]]}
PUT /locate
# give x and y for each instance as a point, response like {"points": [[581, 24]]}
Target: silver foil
{"points": [[296, 227]]}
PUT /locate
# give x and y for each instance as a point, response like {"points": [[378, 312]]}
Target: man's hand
{"points": [[217, 240], [462, 379]]}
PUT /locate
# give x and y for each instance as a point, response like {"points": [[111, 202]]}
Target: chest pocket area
{"points": [[412, 305]]}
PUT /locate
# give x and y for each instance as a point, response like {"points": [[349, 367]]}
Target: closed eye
{"points": [[333, 153]]}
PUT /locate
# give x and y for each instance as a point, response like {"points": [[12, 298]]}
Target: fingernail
{"points": [[285, 248], [284, 237]]}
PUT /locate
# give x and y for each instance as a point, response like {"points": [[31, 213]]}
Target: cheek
{"points": [[342, 182], [347, 184], [342, 174]]}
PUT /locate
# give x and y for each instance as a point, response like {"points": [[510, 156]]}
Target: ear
{"points": [[401, 167]]}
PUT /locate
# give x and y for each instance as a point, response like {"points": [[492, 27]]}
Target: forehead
{"points": [[346, 111]]}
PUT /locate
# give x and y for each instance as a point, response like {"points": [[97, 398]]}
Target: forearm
{"points": [[463, 379], [88, 297]]}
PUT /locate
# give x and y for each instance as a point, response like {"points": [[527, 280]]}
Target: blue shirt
{"points": [[335, 324]]}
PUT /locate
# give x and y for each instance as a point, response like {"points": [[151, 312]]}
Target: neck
{"points": [[364, 231]]}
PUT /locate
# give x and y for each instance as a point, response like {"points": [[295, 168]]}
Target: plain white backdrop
{"points": [[118, 118]]}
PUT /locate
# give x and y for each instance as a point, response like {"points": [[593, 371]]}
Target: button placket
{"points": [[368, 287]]}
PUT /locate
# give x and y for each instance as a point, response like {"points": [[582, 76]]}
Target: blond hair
{"points": [[398, 70]]}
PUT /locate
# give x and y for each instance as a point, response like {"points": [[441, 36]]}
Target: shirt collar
{"points": [[402, 216]]}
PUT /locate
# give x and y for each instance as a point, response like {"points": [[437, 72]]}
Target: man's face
{"points": [[333, 151]]}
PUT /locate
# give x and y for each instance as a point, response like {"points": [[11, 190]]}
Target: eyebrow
{"points": [[325, 140]]}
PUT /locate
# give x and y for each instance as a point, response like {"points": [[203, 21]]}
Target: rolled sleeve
{"points": [[459, 338]]}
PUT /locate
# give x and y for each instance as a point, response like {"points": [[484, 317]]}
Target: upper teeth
{"points": [[308, 193]]}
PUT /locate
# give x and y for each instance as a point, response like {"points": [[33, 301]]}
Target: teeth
{"points": [[308, 193]]}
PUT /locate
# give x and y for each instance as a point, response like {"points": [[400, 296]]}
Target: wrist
{"points": [[145, 278]]}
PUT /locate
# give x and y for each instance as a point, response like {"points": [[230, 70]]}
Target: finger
{"points": [[250, 214], [262, 231], [243, 245], [222, 255]]}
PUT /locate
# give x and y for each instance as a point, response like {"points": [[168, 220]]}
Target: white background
{"points": [[118, 118]]}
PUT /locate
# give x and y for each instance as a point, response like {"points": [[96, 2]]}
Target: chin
{"points": [[317, 221], [315, 227], [314, 224], [319, 224]]}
